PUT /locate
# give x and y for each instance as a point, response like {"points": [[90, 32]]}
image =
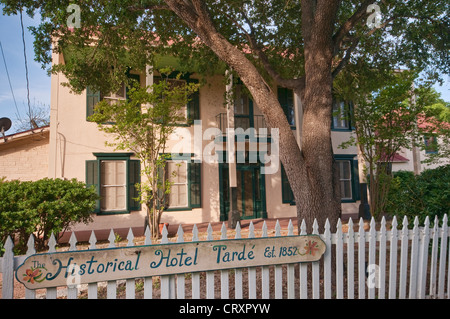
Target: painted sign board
{"points": [[66, 268]]}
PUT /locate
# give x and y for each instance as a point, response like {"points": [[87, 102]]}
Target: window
{"points": [[431, 146], [286, 99], [243, 108], [191, 111], [179, 189], [341, 115], [93, 97], [113, 185], [286, 191], [114, 175], [345, 178], [185, 191], [348, 177]]}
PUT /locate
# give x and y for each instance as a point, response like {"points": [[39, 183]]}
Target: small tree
{"points": [[390, 115], [142, 124]]}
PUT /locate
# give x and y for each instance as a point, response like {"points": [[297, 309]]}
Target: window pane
{"points": [[177, 172], [241, 102], [346, 190], [113, 185], [345, 177], [340, 120]]}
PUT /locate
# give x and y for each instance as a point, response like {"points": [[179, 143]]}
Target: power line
{"points": [[9, 80], [26, 66]]}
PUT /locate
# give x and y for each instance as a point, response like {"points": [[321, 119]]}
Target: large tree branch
{"points": [[350, 24], [354, 44]]}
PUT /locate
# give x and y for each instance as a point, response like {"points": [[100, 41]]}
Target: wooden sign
{"points": [[86, 266]]}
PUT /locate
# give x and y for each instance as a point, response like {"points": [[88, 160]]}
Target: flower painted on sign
{"points": [[311, 247], [33, 275]]}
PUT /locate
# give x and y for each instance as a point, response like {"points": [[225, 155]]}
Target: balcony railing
{"points": [[257, 122]]}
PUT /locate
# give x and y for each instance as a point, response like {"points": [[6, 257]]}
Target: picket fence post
{"points": [[8, 270], [51, 292], [92, 287], [30, 294]]}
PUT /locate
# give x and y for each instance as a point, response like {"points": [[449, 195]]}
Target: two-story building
{"points": [[200, 191]]}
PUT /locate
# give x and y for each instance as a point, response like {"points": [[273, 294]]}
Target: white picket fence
{"points": [[369, 264]]}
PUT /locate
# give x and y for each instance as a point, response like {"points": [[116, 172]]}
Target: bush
{"points": [[42, 207], [427, 194]]}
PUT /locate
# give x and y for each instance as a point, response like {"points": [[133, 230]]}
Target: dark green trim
{"points": [[259, 206], [193, 105], [92, 98], [287, 196], [93, 177], [286, 99], [348, 113]]}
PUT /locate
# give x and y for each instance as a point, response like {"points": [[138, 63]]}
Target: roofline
{"points": [[24, 134]]}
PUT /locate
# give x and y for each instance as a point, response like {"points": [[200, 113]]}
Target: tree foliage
{"points": [[390, 115], [421, 195], [301, 45], [41, 208]]}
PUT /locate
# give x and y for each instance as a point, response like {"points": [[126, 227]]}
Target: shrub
{"points": [[43, 207], [427, 194]]}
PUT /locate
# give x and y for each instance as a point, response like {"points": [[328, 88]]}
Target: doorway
{"points": [[251, 191]]}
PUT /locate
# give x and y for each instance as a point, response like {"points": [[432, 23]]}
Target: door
{"points": [[250, 192]]}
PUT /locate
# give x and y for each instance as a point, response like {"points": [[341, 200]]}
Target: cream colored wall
{"points": [[25, 159], [409, 165], [73, 140]]}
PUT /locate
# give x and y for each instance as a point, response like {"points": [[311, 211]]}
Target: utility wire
{"points": [[9, 80], [26, 68]]}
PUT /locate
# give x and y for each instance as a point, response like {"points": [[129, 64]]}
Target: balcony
{"points": [[245, 122]]}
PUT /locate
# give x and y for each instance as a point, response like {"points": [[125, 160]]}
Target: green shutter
{"points": [[286, 99], [160, 195], [195, 184], [194, 105], [355, 181], [92, 98], [286, 192], [92, 178], [134, 177]]}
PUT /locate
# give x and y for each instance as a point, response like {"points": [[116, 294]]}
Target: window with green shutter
{"points": [[195, 184], [114, 176], [93, 97], [286, 99], [348, 177], [185, 190], [192, 109], [286, 192]]}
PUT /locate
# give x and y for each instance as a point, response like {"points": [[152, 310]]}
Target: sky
{"points": [[11, 40]]}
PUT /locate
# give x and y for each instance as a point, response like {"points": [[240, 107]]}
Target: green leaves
{"points": [[427, 194], [43, 207]]}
